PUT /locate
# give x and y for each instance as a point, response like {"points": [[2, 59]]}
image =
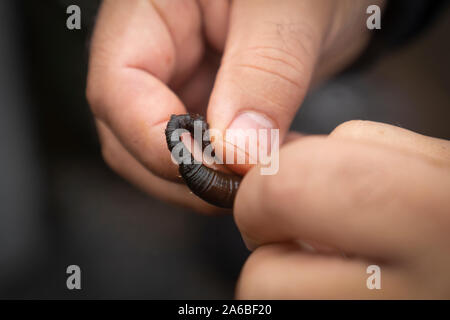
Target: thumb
{"points": [[269, 59]]}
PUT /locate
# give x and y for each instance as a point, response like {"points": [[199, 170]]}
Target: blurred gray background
{"points": [[61, 205]]}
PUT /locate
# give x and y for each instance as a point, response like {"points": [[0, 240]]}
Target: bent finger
{"points": [[360, 199], [133, 57]]}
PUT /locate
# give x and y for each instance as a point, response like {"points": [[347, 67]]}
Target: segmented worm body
{"points": [[215, 187]]}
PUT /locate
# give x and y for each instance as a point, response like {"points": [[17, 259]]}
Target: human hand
{"points": [[151, 59], [377, 193]]}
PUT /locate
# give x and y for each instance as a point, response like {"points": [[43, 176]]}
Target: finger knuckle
{"points": [[278, 63]]}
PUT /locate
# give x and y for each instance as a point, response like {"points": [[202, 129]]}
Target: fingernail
{"points": [[253, 120]]}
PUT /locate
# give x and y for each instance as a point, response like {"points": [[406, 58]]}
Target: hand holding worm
{"points": [[151, 59]]}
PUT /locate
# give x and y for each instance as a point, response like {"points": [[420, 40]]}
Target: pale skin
{"points": [[374, 192]]}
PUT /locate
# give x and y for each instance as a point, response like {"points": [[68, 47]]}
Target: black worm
{"points": [[215, 187]]}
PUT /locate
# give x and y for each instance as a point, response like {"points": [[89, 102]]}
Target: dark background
{"points": [[61, 205]]}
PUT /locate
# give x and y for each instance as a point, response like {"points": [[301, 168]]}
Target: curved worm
{"points": [[215, 187]]}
